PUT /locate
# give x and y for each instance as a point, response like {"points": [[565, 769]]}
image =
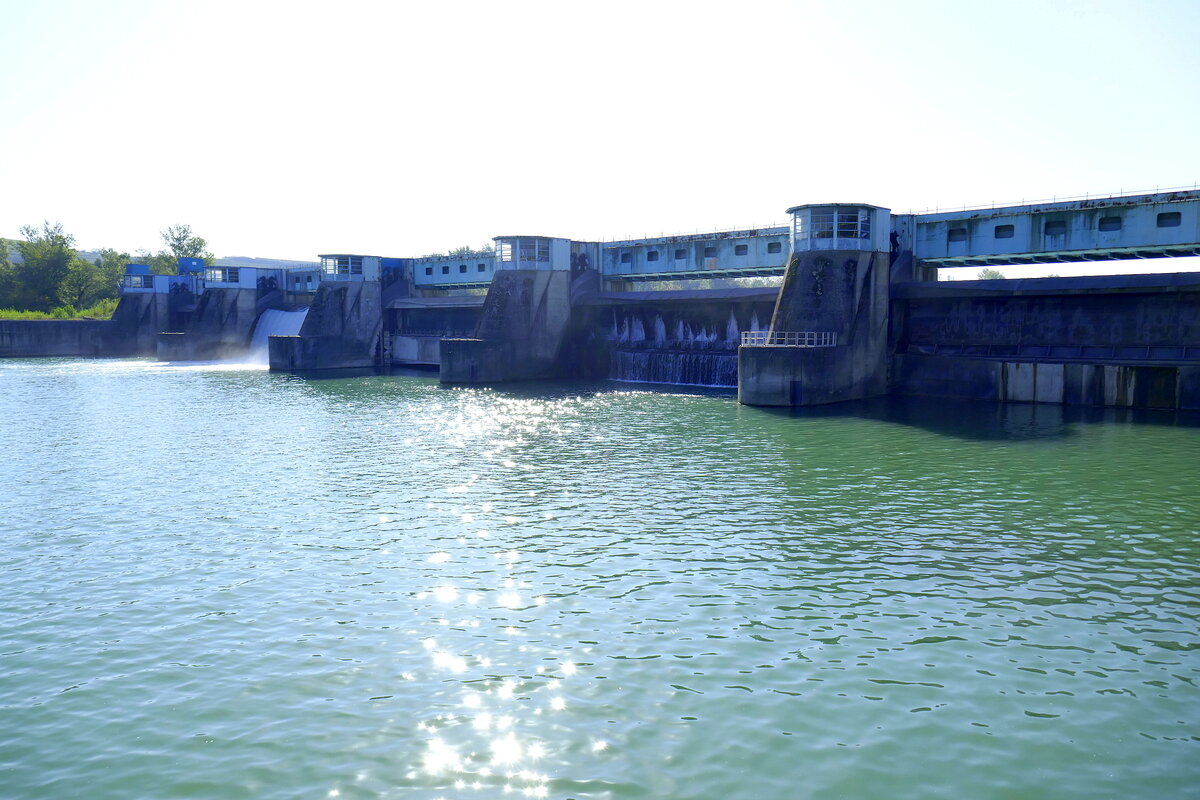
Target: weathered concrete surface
{"points": [[688, 336], [521, 331], [341, 331], [220, 327], [52, 337], [835, 291], [414, 325], [411, 349], [134, 327], [131, 332], [1127, 311], [1116, 385]]}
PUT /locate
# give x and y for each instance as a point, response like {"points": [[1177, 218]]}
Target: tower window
{"points": [[1110, 224], [1004, 232], [1170, 219]]}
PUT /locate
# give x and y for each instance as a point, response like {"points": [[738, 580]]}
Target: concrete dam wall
{"points": [[67, 337], [132, 331], [1125, 341], [688, 338], [342, 330]]}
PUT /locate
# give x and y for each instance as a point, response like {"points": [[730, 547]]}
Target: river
{"points": [[220, 582]]}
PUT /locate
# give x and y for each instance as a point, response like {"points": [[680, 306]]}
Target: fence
{"points": [[789, 339]]}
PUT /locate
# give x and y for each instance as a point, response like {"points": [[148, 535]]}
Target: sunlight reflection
{"points": [[441, 757], [506, 750]]}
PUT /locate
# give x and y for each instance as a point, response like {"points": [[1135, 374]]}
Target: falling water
{"points": [[660, 331], [274, 322], [637, 333]]}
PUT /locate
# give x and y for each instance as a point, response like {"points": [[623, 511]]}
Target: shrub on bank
{"points": [[101, 310]]}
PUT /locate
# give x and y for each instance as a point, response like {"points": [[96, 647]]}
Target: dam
{"points": [[840, 303]]}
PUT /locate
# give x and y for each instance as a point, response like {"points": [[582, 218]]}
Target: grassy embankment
{"points": [[101, 310]]}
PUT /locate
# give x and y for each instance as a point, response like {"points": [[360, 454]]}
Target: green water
{"points": [[223, 583]]}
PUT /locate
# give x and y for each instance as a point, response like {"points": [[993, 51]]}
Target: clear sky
{"points": [[289, 129]]}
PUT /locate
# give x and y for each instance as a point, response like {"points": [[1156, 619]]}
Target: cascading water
{"points": [[732, 334], [274, 322], [660, 331], [680, 367], [646, 351]]}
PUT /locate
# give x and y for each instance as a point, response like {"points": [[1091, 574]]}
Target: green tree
{"points": [[182, 243], [111, 264], [82, 285], [8, 277], [48, 255], [989, 274]]}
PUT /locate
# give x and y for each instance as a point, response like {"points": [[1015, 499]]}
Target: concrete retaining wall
{"points": [[32, 338], [1116, 385], [131, 332], [1158, 311]]}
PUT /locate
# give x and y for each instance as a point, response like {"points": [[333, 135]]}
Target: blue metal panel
{"points": [[1136, 226], [721, 254], [137, 269], [188, 265]]}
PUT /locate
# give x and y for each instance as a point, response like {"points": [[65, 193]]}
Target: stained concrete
{"points": [[1078, 384], [836, 291], [342, 331], [130, 332], [521, 331]]}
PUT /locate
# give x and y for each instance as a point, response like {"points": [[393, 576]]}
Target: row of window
{"points": [[222, 274], [528, 250], [342, 265], [462, 268], [709, 252], [845, 223], [1058, 227]]}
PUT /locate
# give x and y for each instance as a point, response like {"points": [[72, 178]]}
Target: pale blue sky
{"points": [[290, 129]]}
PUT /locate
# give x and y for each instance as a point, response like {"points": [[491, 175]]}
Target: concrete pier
{"points": [[828, 337], [342, 331], [521, 331]]}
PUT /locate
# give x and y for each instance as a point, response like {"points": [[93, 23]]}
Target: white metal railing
{"points": [[1054, 199], [789, 338]]}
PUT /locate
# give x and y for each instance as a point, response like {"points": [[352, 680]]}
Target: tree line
{"points": [[43, 273]]}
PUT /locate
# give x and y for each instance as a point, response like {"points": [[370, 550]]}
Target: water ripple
{"points": [[227, 583]]}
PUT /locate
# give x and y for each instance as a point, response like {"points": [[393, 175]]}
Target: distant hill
{"points": [[14, 255], [265, 263]]}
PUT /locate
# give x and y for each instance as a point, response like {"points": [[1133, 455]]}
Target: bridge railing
{"points": [[789, 338]]}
